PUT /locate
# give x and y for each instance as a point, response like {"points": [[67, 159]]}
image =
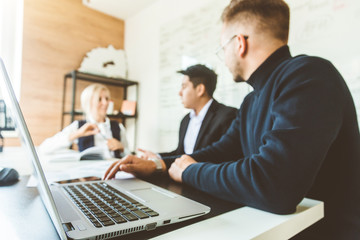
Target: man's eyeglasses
{"points": [[220, 52]]}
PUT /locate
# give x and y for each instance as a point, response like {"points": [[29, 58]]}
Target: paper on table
{"points": [[68, 155]]}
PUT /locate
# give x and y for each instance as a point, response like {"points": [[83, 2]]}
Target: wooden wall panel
{"points": [[57, 35]]}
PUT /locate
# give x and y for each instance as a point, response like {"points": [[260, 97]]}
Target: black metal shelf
{"points": [[100, 79], [8, 124], [7, 129]]}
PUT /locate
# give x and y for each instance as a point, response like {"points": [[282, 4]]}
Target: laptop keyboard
{"points": [[103, 205]]}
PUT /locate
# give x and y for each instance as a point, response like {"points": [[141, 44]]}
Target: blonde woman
{"points": [[95, 130]]}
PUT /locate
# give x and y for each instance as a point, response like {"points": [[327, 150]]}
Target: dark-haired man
{"points": [[208, 119], [296, 135]]}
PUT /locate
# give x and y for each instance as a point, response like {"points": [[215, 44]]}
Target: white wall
{"points": [[142, 48]]}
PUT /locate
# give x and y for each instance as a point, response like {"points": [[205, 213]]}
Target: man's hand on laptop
{"points": [[134, 165], [178, 167]]}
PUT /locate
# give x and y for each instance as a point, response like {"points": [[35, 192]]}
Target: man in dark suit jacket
{"points": [[208, 119], [217, 120]]}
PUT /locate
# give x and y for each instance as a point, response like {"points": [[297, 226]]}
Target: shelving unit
{"points": [[76, 76], [6, 123]]}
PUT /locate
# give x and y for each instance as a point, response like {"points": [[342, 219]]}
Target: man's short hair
{"points": [[271, 15], [200, 74]]}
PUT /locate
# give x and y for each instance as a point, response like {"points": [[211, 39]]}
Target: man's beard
{"points": [[238, 78], [237, 73]]}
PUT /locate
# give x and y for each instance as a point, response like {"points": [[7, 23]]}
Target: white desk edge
{"points": [[250, 223]]}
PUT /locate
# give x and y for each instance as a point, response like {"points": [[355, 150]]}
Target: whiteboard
{"points": [[325, 28], [329, 29]]}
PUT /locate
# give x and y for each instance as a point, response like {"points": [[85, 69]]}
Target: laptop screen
{"points": [[11, 102]]}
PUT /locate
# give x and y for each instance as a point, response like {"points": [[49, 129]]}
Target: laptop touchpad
{"points": [[152, 194], [67, 214]]}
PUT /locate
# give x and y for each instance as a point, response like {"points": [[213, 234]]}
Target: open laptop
{"points": [[101, 209]]}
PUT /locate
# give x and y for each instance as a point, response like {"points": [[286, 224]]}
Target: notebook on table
{"points": [[101, 209]]}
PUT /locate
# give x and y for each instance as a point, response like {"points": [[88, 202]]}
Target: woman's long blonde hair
{"points": [[88, 93]]}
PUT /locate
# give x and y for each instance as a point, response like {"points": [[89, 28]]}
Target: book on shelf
{"points": [[128, 107]]}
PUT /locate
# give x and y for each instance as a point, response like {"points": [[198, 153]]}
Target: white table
{"points": [[242, 223], [250, 223]]}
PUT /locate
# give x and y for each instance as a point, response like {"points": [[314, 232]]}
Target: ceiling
{"points": [[122, 9]]}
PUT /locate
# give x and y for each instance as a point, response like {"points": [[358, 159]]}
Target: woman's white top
{"points": [[60, 141]]}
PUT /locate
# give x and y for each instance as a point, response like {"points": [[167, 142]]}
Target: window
{"points": [[11, 31]]}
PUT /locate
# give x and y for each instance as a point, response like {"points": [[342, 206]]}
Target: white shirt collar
{"points": [[202, 112], [90, 119]]}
